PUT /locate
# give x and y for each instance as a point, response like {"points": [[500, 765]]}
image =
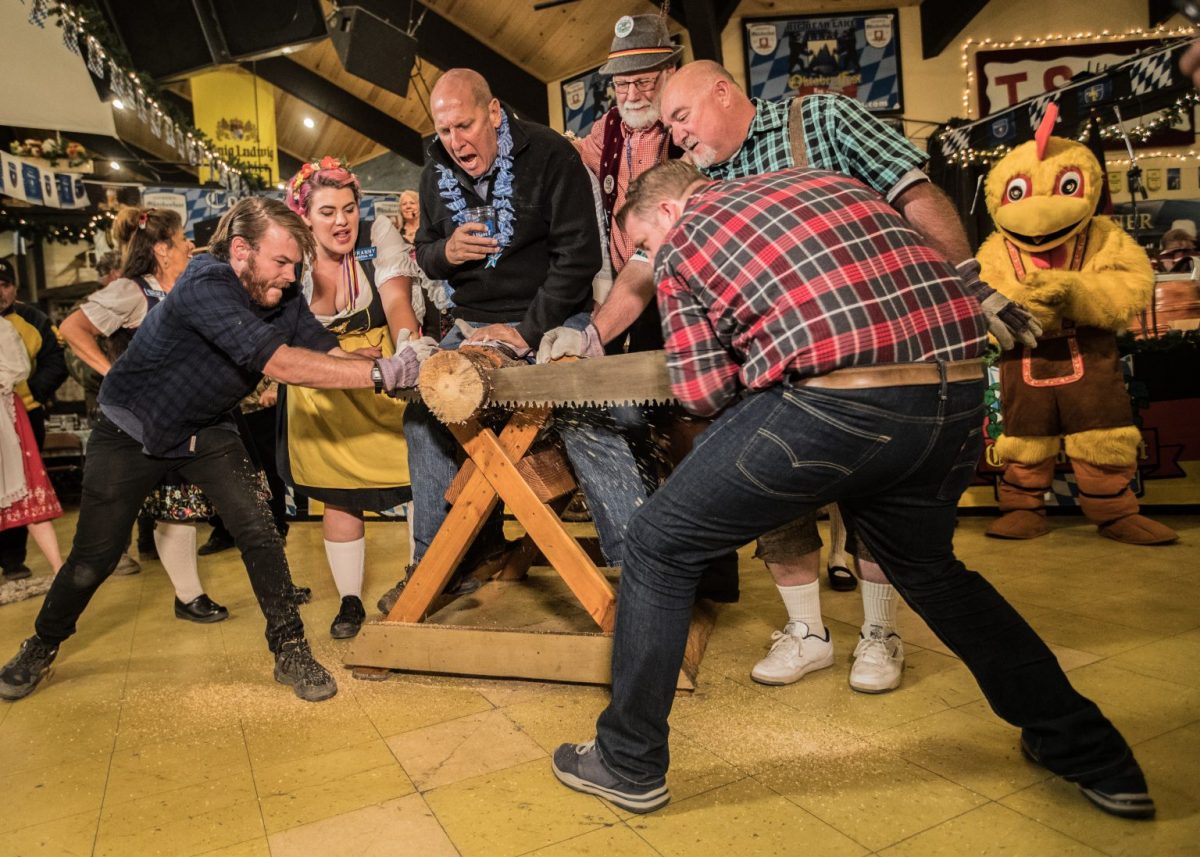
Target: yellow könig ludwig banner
{"points": [[237, 112]]}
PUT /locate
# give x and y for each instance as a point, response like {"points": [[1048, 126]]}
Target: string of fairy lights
{"points": [[1139, 133], [83, 31], [68, 232]]}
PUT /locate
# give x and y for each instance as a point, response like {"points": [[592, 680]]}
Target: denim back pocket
{"points": [[804, 449], [962, 473]]}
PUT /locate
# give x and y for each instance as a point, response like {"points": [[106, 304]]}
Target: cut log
{"points": [[455, 385]]}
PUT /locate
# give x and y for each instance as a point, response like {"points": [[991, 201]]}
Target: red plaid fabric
{"points": [[796, 273], [642, 150]]}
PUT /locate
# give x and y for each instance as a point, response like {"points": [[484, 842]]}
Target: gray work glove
{"points": [[1006, 320], [400, 370], [568, 342]]}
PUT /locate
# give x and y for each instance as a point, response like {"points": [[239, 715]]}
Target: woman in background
{"points": [[27, 498]]}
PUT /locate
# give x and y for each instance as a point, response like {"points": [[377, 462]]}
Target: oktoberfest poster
{"points": [[857, 55]]}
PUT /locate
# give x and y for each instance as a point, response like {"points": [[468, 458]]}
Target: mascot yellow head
{"points": [[1045, 191]]}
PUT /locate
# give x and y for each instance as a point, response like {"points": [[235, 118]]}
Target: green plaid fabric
{"points": [[840, 135]]}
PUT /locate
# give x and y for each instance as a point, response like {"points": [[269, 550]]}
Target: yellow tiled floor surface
{"points": [[156, 736]]}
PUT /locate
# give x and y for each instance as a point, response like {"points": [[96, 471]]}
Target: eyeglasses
{"points": [[642, 84]]}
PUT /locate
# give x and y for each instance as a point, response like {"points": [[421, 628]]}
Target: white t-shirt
{"points": [[121, 303]]}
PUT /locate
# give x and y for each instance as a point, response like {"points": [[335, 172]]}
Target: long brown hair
{"points": [[137, 230]]}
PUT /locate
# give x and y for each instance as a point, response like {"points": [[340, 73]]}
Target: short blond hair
{"points": [[666, 181]]}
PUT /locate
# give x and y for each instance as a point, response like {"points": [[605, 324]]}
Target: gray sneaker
{"points": [[579, 767], [295, 665], [22, 674]]}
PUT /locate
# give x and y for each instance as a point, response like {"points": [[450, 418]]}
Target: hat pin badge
{"points": [[624, 26]]}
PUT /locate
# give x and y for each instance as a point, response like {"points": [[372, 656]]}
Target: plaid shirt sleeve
{"points": [[704, 376], [222, 315], [843, 136]]}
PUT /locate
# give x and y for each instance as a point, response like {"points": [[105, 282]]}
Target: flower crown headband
{"points": [[327, 163]]}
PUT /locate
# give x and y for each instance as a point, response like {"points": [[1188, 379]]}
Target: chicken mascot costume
{"points": [[1084, 279]]}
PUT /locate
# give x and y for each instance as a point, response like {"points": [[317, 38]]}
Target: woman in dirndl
{"points": [[345, 448]]}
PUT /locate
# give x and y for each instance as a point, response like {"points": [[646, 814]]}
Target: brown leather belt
{"points": [[893, 375]]}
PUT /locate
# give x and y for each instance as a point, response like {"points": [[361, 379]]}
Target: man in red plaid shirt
{"points": [[842, 354]]}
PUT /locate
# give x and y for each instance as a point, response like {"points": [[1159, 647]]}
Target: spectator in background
{"points": [[27, 499], [431, 298], [1178, 253], [48, 370]]}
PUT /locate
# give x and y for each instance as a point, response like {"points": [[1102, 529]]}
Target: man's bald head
{"points": [[462, 84], [465, 117], [708, 113]]}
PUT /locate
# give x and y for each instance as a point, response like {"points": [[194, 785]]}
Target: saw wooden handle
{"points": [[455, 385]]}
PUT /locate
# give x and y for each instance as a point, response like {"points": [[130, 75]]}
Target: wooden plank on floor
{"points": [[494, 653]]}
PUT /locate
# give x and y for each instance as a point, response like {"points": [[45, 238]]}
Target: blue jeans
{"points": [[896, 460], [600, 455]]}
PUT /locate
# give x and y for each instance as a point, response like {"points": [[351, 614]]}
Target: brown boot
{"points": [[1108, 501], [1023, 490]]}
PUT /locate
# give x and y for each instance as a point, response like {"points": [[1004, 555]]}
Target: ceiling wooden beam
{"points": [[339, 104], [942, 20]]}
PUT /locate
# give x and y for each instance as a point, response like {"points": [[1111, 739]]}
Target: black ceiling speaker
{"points": [[170, 38], [373, 48]]}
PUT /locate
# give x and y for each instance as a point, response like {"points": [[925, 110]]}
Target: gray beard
{"points": [[640, 118]]}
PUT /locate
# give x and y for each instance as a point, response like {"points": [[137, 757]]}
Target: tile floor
{"points": [[155, 736]]}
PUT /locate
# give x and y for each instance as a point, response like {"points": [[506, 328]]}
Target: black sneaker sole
{"points": [[1133, 806], [18, 575], [639, 803], [308, 692]]}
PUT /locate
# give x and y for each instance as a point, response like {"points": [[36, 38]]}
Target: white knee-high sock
{"points": [[346, 561], [803, 604], [879, 606], [176, 544]]}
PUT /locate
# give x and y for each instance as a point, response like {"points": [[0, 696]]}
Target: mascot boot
{"points": [[1022, 492], [1028, 472], [1103, 462]]}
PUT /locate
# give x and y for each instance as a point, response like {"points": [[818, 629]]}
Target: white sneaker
{"points": [[878, 662], [794, 653]]}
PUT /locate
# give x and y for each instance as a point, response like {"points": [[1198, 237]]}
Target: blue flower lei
{"points": [[450, 190]]}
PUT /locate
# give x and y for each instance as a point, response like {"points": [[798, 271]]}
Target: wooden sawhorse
{"points": [[403, 641]]}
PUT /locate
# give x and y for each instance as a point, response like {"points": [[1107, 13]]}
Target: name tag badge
{"points": [[362, 254]]}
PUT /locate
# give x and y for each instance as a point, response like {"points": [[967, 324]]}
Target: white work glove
{"points": [[1006, 320], [423, 348], [568, 342]]}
